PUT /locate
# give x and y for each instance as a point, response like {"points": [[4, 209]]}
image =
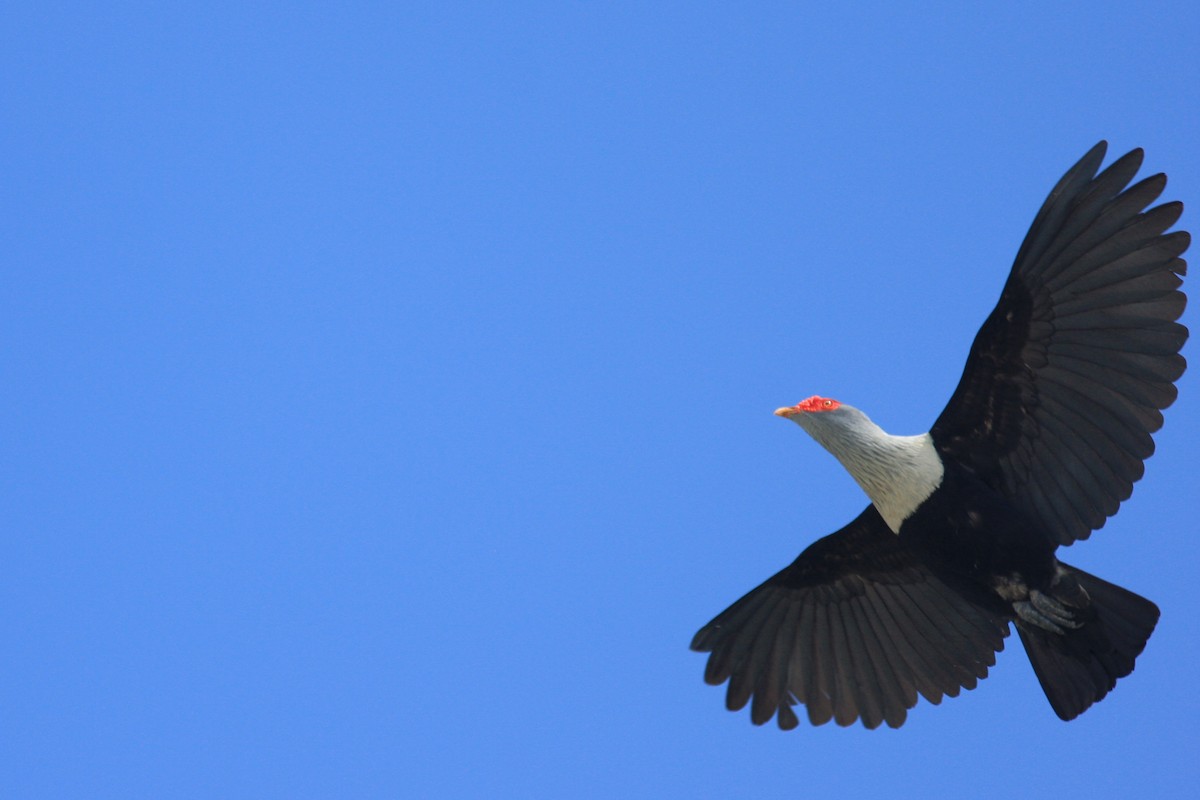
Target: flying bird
{"points": [[1040, 443]]}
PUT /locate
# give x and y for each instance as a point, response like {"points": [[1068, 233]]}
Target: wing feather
{"points": [[854, 629], [1067, 378]]}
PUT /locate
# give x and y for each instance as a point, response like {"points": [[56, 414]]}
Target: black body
{"points": [[968, 531], [1040, 443]]}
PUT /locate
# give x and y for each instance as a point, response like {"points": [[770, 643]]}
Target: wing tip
{"points": [[1092, 159]]}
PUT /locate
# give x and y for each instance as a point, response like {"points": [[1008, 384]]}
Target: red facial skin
{"points": [[812, 405], [818, 403]]}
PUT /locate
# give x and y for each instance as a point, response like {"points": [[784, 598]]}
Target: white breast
{"points": [[898, 476], [898, 473]]}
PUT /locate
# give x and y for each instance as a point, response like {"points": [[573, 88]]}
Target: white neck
{"points": [[898, 473]]}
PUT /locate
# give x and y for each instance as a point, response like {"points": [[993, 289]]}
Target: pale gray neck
{"points": [[898, 473]]}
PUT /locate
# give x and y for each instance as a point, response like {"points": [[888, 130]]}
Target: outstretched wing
{"points": [[1066, 379], [854, 628]]}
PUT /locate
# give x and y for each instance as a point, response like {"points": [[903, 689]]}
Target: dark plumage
{"points": [[1040, 443]]}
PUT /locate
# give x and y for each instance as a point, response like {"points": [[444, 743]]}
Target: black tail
{"points": [[1079, 668]]}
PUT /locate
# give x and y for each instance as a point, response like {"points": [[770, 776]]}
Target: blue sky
{"points": [[388, 388]]}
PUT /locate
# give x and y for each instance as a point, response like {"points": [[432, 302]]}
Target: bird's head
{"points": [[813, 405], [829, 421], [815, 412]]}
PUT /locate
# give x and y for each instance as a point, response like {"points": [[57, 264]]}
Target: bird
{"points": [[1039, 444]]}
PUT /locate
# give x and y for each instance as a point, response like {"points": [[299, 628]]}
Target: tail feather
{"points": [[1080, 667]]}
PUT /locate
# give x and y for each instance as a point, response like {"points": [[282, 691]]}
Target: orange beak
{"points": [[787, 412]]}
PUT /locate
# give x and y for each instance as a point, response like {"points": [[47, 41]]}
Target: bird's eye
{"points": [[828, 404]]}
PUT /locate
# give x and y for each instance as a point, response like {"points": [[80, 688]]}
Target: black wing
{"points": [[853, 628], [1066, 379]]}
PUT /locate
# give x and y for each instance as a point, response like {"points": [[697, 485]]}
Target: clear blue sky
{"points": [[387, 393]]}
